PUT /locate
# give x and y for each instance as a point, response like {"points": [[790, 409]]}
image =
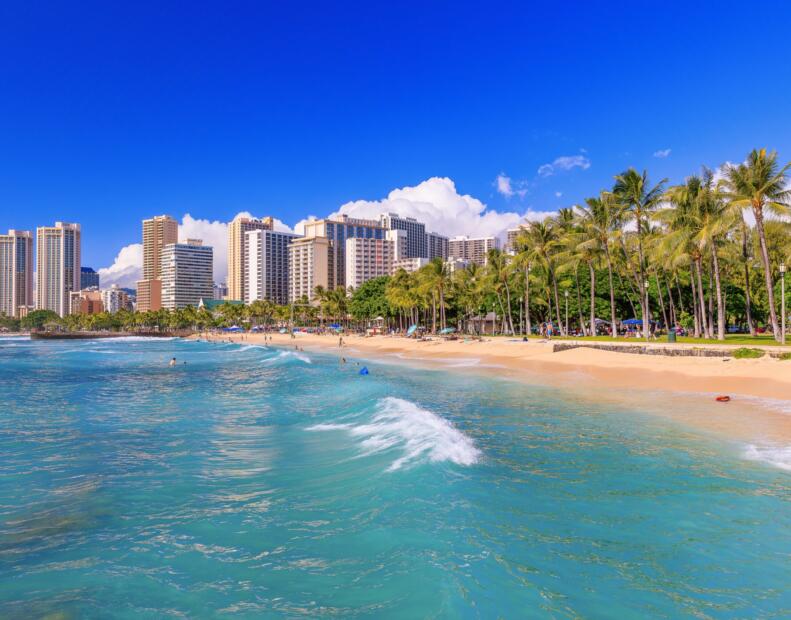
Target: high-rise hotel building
{"points": [[437, 246], [158, 232], [186, 274], [416, 241], [368, 258], [266, 270], [310, 263], [57, 266], [16, 272], [473, 250], [337, 231], [236, 252]]}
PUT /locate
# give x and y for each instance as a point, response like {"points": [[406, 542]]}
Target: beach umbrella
{"points": [[447, 330], [412, 329]]}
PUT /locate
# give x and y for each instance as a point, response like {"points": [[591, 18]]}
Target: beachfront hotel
{"points": [[115, 299], [186, 274], [410, 265], [237, 264], [16, 272], [310, 263], [474, 250], [336, 232], [511, 236], [266, 270], [415, 244], [86, 301], [57, 266], [437, 246], [368, 258], [158, 232]]}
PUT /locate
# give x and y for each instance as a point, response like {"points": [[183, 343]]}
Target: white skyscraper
{"points": [[57, 266], [186, 273], [367, 259], [266, 271]]}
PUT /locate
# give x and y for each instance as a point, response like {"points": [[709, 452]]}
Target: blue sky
{"points": [[111, 114]]}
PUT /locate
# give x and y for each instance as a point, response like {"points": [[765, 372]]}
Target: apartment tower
{"points": [[266, 271], [57, 266], [186, 274], [473, 250], [236, 252], [158, 232], [310, 263], [16, 272], [367, 259]]}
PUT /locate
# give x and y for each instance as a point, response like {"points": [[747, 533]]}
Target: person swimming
{"points": [[172, 362]]}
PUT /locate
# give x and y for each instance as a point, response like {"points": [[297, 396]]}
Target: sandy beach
{"points": [[760, 389]]}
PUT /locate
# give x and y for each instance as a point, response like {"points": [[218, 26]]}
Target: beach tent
{"points": [[633, 322], [336, 326], [447, 330], [412, 329], [234, 328], [283, 330]]}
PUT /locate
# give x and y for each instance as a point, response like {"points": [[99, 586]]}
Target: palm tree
{"points": [[639, 200], [600, 222], [543, 243], [759, 184], [498, 269]]}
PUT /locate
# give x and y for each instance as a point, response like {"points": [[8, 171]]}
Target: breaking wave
{"points": [[420, 435], [777, 456]]}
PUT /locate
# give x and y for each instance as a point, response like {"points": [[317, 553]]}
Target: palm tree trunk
{"points": [[711, 304], [561, 328], [720, 302], [701, 300], [508, 301], [593, 299], [661, 299], [695, 312], [641, 283], [747, 300], [613, 328], [579, 302], [759, 226], [527, 301]]}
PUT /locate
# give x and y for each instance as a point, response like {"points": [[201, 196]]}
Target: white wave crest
{"points": [[777, 456], [421, 435]]}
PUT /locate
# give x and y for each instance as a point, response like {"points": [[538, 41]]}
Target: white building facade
{"points": [[266, 270], [367, 259], [57, 266], [186, 274]]}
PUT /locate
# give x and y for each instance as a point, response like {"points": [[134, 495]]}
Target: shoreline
{"points": [[760, 388]]}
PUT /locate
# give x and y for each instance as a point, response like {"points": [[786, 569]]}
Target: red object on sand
{"points": [[722, 399]]}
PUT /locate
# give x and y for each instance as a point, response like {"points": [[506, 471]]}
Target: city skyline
{"points": [[518, 109]]}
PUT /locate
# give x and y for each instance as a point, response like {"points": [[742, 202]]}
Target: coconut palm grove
{"points": [[703, 258]]}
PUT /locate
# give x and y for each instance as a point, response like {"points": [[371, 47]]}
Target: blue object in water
{"points": [[364, 370]]}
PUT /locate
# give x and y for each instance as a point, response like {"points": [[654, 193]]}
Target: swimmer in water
{"points": [[172, 362]]}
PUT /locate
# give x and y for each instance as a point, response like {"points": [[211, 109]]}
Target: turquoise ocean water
{"points": [[255, 482]]}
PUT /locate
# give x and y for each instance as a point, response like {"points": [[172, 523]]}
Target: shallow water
{"points": [[255, 482]]}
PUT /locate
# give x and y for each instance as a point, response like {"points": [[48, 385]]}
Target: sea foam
{"points": [[777, 456], [420, 435]]}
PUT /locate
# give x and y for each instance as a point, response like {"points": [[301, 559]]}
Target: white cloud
{"points": [[558, 194], [437, 203], [126, 268], [662, 153], [508, 187], [566, 162]]}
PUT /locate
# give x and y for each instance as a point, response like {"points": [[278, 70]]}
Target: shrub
{"points": [[785, 356], [745, 353]]}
